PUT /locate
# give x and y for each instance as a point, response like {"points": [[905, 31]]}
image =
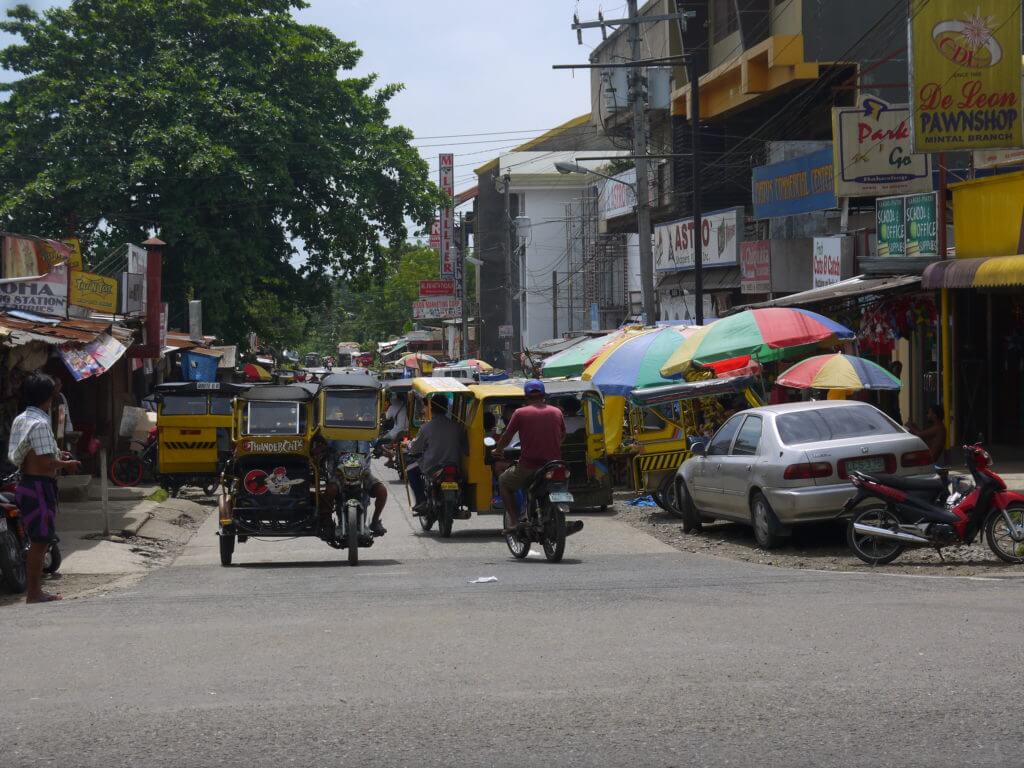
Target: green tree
{"points": [[223, 127]]}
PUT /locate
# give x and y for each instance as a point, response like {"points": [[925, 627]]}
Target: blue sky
{"points": [[469, 66]]}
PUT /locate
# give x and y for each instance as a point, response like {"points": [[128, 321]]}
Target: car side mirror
{"points": [[697, 445]]}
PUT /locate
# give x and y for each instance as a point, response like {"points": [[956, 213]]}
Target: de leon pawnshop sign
{"points": [[965, 74]]}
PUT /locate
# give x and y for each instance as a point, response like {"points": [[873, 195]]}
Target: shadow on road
{"points": [[316, 564]]}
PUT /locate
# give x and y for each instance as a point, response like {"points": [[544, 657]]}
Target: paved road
{"points": [[629, 653]]}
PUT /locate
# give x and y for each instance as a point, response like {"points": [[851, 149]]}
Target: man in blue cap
{"points": [[541, 428]]}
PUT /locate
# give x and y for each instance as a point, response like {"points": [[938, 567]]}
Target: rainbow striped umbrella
{"points": [[764, 334], [838, 371], [572, 361], [636, 361]]}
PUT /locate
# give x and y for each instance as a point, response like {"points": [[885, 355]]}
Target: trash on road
{"points": [[484, 580], [643, 501]]}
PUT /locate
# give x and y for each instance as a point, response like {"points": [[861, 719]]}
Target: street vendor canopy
{"points": [[990, 272]]}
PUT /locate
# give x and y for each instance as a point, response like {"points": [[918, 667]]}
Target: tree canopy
{"points": [[223, 127]]}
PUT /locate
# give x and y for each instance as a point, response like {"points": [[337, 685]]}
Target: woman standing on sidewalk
{"points": [[33, 449]]}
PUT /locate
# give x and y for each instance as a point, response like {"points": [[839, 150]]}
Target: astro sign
{"points": [[965, 72]]}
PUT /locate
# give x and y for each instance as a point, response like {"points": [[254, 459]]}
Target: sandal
{"points": [[46, 598]]}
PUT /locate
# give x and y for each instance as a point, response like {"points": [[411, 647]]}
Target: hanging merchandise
{"points": [[892, 319]]}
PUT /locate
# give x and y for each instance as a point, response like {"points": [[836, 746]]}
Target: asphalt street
{"points": [[628, 653]]}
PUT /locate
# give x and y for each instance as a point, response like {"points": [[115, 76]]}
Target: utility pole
{"points": [[643, 209], [554, 304], [508, 270], [698, 222]]}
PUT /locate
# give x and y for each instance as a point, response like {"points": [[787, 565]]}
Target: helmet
{"points": [[534, 387]]}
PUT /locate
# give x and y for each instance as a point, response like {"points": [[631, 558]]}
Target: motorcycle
{"points": [[15, 543], [350, 507], [542, 517], [444, 499], [129, 469], [917, 512]]}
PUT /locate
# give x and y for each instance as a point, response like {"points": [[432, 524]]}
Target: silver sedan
{"points": [[777, 465]]}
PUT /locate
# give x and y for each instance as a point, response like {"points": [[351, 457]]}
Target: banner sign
{"points": [[908, 226], [827, 261], [965, 74], [800, 185], [995, 158], [446, 172], [436, 309], [673, 242], [890, 225], [94, 358], [46, 296], [617, 197], [437, 288], [93, 292], [872, 149], [756, 266]]}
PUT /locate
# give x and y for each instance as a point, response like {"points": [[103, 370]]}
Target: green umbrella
{"points": [[572, 361]]}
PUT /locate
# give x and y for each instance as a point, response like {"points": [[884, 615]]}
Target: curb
{"points": [[134, 528]]}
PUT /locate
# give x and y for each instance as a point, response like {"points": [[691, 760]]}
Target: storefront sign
{"points": [[890, 221], [872, 149], [436, 309], [996, 158], [435, 234], [908, 226], [45, 296], [446, 173], [756, 266], [827, 264], [617, 197], [71, 255], [94, 292], [800, 185], [430, 288], [965, 74], [673, 242]]}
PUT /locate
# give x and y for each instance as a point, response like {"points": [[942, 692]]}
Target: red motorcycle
{"points": [[916, 512]]}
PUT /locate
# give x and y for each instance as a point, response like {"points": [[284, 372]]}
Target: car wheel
{"points": [[687, 510], [768, 531]]}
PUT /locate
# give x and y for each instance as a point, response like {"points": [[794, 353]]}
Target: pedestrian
{"points": [[33, 449], [933, 433]]}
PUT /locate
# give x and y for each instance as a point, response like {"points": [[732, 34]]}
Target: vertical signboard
{"points": [[908, 226], [756, 266], [446, 172], [965, 74], [890, 223]]}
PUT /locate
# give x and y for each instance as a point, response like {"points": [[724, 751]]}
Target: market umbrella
{"points": [[416, 360], [472, 362], [838, 371], [764, 334], [253, 372], [572, 361], [636, 361]]}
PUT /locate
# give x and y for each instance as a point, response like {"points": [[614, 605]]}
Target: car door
{"points": [[707, 478], [738, 467]]}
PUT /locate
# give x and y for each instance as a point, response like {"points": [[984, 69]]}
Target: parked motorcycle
{"points": [[129, 469], [914, 512], [542, 517], [15, 543]]}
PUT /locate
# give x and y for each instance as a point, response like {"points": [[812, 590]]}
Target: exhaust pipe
{"points": [[885, 533]]}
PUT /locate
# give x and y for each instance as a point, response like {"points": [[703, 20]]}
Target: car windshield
{"points": [[351, 409], [273, 419], [824, 424]]}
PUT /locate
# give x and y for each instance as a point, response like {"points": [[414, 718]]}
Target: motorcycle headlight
{"points": [[351, 470]]}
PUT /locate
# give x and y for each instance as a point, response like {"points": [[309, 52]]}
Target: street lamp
{"points": [[643, 228]]}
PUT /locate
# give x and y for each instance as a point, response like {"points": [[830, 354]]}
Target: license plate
{"points": [[449, 486], [871, 466], [561, 497]]}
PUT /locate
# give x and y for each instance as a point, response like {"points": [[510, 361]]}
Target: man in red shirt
{"points": [[541, 428]]}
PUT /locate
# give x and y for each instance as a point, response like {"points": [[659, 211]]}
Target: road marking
{"points": [[902, 575], [384, 573]]}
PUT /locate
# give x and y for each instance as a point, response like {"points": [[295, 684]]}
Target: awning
{"points": [[991, 272], [844, 289], [53, 332], [714, 279]]}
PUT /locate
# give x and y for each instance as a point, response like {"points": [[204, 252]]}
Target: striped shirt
{"points": [[31, 431]]}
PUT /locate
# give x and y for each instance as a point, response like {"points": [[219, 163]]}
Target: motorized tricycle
{"points": [[272, 481], [193, 436], [350, 406]]}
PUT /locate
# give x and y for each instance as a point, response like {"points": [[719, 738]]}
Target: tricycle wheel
{"points": [[352, 530], [210, 489], [227, 548]]}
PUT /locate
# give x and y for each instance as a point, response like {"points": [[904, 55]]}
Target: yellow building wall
{"points": [[987, 215]]}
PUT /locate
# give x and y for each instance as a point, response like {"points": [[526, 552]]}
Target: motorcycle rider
{"points": [[439, 442], [332, 453], [541, 429]]}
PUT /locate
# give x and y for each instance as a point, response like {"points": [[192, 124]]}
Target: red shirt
{"points": [[541, 429]]}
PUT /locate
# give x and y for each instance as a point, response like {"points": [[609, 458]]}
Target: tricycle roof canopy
{"points": [[200, 388], [692, 389], [290, 393], [351, 379]]}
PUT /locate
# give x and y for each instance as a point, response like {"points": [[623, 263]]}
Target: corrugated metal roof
{"points": [[74, 329]]}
